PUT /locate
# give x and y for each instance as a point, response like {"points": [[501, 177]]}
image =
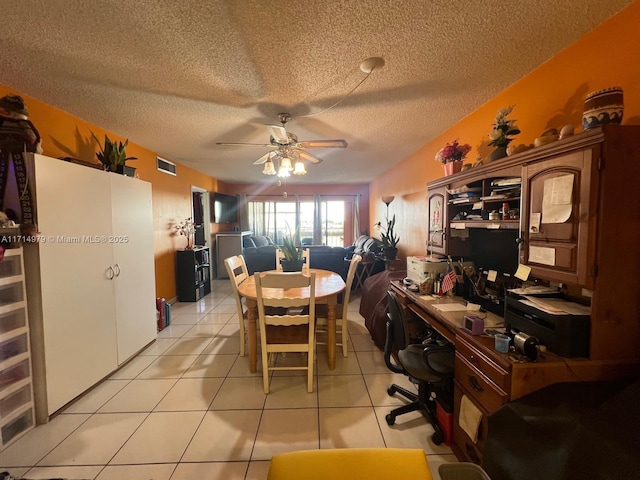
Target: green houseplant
{"points": [[113, 156], [388, 240], [292, 251]]}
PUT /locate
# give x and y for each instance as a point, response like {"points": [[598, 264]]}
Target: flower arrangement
{"points": [[186, 227], [453, 152], [503, 128]]}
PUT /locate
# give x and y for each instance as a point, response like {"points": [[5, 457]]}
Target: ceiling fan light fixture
{"points": [[269, 169], [285, 162], [299, 168], [283, 172]]}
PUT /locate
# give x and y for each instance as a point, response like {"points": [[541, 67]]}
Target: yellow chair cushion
{"points": [[351, 464]]}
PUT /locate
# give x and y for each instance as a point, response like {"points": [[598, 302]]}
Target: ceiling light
{"points": [[283, 172], [285, 162], [299, 168], [269, 169]]}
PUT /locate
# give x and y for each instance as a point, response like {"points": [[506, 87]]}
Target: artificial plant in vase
{"points": [[187, 228], [452, 155], [292, 251], [388, 240], [503, 128], [112, 155]]}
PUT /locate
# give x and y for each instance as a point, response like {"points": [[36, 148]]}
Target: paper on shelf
{"points": [[558, 306], [556, 199], [451, 307], [542, 255]]}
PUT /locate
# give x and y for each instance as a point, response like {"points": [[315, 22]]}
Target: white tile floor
{"points": [[187, 407]]}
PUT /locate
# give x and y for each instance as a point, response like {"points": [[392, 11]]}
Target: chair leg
{"points": [[243, 338], [345, 337], [265, 371]]}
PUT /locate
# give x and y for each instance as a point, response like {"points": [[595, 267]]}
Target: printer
{"points": [[419, 267], [565, 335]]}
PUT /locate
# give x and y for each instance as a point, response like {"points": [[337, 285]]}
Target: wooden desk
{"points": [[328, 286], [490, 378]]}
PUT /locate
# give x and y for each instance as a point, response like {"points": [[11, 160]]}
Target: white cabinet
{"points": [[16, 388], [90, 278], [133, 259]]}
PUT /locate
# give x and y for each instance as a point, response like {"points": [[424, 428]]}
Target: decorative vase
{"points": [[291, 265], [498, 153], [452, 167], [603, 106], [189, 243]]}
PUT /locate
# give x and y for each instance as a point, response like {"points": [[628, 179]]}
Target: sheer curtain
{"points": [[243, 212], [317, 219], [356, 218]]}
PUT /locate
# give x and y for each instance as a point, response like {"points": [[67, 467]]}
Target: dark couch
{"points": [[260, 254]]}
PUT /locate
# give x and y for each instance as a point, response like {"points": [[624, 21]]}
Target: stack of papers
{"points": [[556, 306]]}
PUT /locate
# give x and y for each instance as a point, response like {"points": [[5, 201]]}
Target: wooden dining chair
{"points": [[341, 310], [283, 331], [238, 273]]}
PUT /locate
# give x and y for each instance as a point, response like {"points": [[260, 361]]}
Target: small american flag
{"points": [[448, 282]]}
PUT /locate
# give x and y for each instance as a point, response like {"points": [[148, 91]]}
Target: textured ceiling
{"points": [[178, 76]]}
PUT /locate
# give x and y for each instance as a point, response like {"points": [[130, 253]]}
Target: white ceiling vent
{"points": [[166, 166]]}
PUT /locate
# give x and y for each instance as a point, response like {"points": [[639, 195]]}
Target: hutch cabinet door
{"points": [[436, 241], [559, 218]]}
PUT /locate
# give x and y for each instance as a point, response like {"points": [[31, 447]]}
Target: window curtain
{"points": [[243, 212], [356, 218], [317, 220]]}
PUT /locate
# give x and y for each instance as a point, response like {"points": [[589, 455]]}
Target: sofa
{"points": [[260, 254]]}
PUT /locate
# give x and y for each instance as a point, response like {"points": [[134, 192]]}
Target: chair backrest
{"points": [[269, 287], [397, 332], [238, 273], [353, 266]]}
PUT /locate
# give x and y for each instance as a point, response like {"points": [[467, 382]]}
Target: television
{"points": [[224, 208]]}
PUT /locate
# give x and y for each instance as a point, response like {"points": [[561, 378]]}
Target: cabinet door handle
{"points": [[116, 269], [110, 273], [475, 384], [474, 360]]}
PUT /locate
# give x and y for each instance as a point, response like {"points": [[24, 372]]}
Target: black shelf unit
{"points": [[194, 274]]}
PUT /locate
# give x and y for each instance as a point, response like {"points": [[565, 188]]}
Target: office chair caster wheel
{"points": [[391, 419], [437, 438], [391, 391]]}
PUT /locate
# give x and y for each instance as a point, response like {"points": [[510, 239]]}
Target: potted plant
{"points": [[502, 129], [113, 156], [452, 155], [292, 251], [388, 240]]}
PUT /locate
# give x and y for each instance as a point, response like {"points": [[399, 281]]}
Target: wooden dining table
{"points": [[328, 287]]}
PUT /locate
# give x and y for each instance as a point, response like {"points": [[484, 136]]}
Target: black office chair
{"points": [[429, 364]]}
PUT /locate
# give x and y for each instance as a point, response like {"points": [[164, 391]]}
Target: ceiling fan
{"points": [[286, 143]]}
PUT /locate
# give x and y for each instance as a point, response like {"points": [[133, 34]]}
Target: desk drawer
{"points": [[480, 387], [479, 361], [464, 447]]}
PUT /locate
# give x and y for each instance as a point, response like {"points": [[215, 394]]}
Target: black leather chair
{"points": [[429, 364]]}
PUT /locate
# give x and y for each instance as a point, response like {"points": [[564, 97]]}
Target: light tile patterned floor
{"points": [[187, 407]]}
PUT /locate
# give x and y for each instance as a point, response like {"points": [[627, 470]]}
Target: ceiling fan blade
{"points": [[231, 144], [307, 156], [279, 134], [262, 159], [323, 144]]}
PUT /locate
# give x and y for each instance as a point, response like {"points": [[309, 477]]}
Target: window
{"points": [[277, 218]]}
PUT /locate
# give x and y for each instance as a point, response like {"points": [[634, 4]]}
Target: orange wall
{"points": [[550, 96], [64, 135]]}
